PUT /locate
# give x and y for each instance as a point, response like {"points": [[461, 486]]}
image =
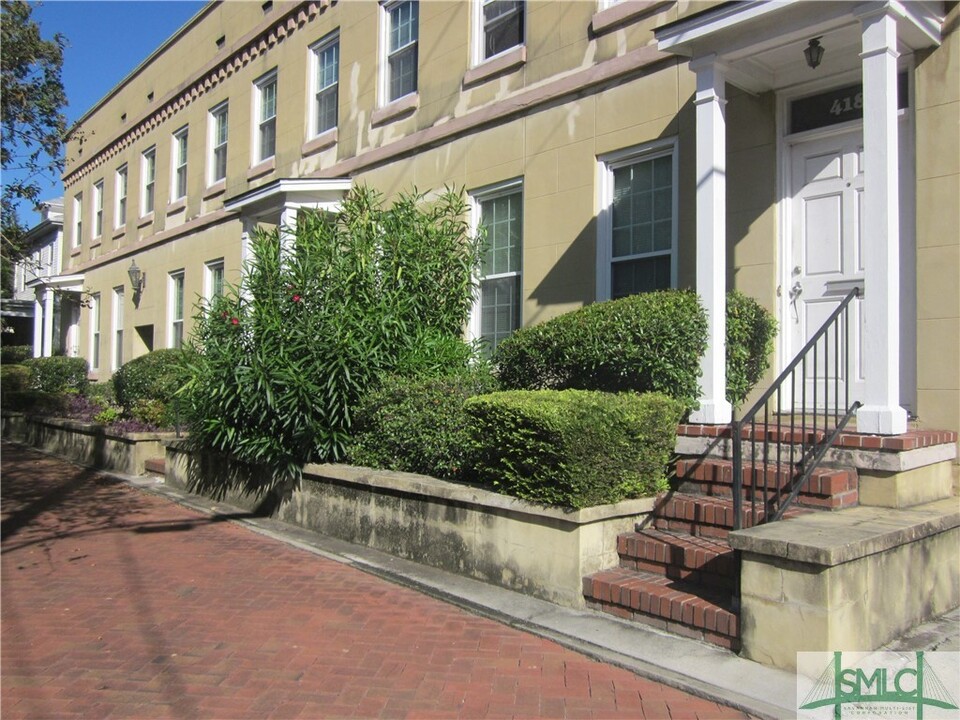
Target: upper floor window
{"points": [[179, 181], [501, 25], [326, 69], [639, 222], [176, 310], [213, 282], [218, 143], [117, 328], [98, 208], [121, 195], [500, 214], [77, 219], [402, 20], [266, 117], [148, 175], [95, 331]]}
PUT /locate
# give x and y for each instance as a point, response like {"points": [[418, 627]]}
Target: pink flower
{"points": [[235, 321], [297, 298]]}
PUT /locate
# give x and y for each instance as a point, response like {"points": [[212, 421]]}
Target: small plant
{"points": [[58, 374], [108, 416]]}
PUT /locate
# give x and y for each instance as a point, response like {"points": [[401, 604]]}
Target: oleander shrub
{"points": [[14, 378], [282, 362], [572, 448], [418, 425], [15, 354], [650, 342], [58, 374], [751, 330]]}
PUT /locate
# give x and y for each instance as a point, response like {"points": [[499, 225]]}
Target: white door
{"points": [[826, 263]]}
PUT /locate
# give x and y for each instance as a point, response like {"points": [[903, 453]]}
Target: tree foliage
{"points": [[282, 361], [32, 123]]}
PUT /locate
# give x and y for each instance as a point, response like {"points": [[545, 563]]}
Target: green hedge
{"points": [[572, 448], [58, 374], [14, 378], [15, 354], [36, 402], [751, 330], [150, 379], [643, 343], [417, 425]]}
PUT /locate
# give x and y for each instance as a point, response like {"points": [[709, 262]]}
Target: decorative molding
{"points": [[217, 188], [388, 113], [262, 168], [320, 142], [245, 51], [510, 60], [176, 206], [625, 12]]}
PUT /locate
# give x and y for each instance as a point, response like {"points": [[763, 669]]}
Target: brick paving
{"points": [[117, 603]]}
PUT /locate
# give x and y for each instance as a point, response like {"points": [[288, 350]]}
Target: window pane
{"points": [[403, 25], [642, 210], [268, 100], [503, 26], [403, 73], [629, 277], [501, 218], [499, 309], [220, 163], [268, 139], [327, 110]]}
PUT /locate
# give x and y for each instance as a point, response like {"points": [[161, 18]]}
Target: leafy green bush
{"points": [[14, 378], [36, 402], [15, 354], [102, 392], [751, 330], [572, 448], [154, 376], [108, 415], [417, 425], [58, 374], [283, 361], [643, 343]]}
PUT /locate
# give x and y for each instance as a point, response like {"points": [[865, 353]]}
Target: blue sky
{"points": [[106, 40]]}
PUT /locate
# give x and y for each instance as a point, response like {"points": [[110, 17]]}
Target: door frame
{"points": [[908, 259]]}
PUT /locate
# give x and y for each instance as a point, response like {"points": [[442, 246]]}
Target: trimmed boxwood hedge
{"points": [[58, 374], [417, 425], [149, 379], [572, 448], [13, 354], [643, 343]]}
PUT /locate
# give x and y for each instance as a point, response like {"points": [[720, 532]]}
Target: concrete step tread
{"points": [[676, 601]]}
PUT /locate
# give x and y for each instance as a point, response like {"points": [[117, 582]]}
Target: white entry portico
{"points": [[759, 47]]}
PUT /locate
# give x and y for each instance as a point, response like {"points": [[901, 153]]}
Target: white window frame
{"points": [[176, 284], [606, 166], [210, 270], [179, 157], [260, 122], [386, 54], [316, 52], [480, 32], [116, 346], [77, 219], [95, 317], [477, 198], [120, 205], [148, 181], [213, 124], [98, 209]]}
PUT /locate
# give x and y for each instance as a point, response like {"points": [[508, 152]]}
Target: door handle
{"points": [[796, 291]]}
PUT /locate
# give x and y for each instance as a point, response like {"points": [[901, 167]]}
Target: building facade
{"points": [[609, 148]]}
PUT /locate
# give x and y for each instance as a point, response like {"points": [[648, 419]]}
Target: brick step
{"points": [[692, 559], [829, 488], [704, 516], [667, 604], [155, 466]]}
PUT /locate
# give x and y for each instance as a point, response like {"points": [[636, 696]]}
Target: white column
{"points": [[288, 228], [38, 324], [47, 323], [881, 412], [712, 236]]}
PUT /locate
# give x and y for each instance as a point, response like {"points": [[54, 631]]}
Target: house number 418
{"points": [[847, 104]]}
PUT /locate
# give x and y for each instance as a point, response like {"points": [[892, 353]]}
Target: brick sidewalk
{"points": [[118, 603]]}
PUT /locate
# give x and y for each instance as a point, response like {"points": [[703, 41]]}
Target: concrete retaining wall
{"points": [[541, 551], [86, 443]]}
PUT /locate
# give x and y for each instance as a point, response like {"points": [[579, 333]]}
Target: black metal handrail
{"points": [[789, 455]]}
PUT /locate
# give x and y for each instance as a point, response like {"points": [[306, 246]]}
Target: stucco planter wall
{"points": [[541, 551], [86, 443]]}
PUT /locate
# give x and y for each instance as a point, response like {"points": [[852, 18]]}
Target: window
{"points": [[266, 125], [179, 184], [77, 219], [213, 281], [497, 311], [121, 209], [639, 223], [148, 174], [95, 331], [176, 310], [98, 209], [326, 68], [501, 23], [218, 143], [402, 21], [117, 328]]}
